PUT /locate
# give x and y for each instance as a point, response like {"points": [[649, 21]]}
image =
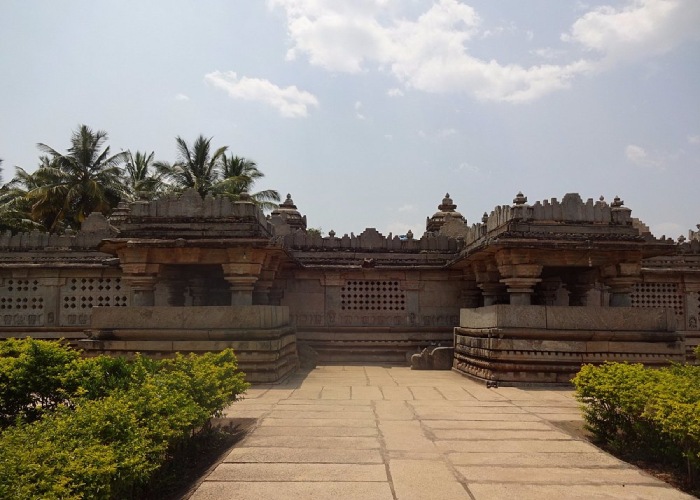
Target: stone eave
{"points": [[113, 245]]}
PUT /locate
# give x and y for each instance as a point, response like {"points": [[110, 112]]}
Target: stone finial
{"points": [[602, 198], [617, 202], [331, 234], [681, 239], [288, 203], [520, 199], [409, 235], [485, 218], [447, 204], [446, 210], [287, 210]]}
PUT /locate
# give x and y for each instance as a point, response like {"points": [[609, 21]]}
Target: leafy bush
{"points": [[650, 412], [112, 422], [33, 377]]}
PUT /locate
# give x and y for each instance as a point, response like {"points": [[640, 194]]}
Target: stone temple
{"points": [[525, 295]]}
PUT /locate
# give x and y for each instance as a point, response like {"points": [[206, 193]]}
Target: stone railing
{"points": [[570, 210], [94, 229], [370, 240]]}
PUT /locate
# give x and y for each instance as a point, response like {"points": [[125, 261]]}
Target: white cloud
{"points": [[394, 93], [639, 156], [640, 28], [181, 97], [290, 102], [694, 139], [406, 208], [431, 53]]}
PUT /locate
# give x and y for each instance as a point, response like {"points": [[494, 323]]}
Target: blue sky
{"points": [[369, 111]]}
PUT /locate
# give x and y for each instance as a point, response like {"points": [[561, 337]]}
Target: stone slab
{"points": [[318, 422], [525, 445], [347, 443], [503, 316], [554, 475], [491, 491], [298, 472], [217, 490], [531, 459], [192, 317], [316, 431], [423, 479], [274, 454], [496, 434]]}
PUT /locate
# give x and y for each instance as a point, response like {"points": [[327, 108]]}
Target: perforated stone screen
{"points": [[658, 295], [371, 295], [21, 296], [85, 293]]}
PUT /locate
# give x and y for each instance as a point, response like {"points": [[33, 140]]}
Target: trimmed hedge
{"points": [[100, 427], [652, 413]]}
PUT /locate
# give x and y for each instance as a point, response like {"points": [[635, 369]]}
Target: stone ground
{"points": [[375, 432]]}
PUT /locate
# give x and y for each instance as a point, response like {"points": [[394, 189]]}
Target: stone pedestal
{"points": [[513, 344]]}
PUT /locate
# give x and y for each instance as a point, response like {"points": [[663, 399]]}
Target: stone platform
{"points": [[261, 336], [548, 344], [388, 433]]}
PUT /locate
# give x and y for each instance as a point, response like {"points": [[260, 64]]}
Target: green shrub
{"points": [[655, 412], [115, 421], [33, 377]]}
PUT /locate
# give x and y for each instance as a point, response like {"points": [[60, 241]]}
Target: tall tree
{"points": [[238, 176], [196, 167], [16, 208], [86, 179], [143, 180]]}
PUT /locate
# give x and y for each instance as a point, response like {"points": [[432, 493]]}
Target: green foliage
{"points": [[644, 411], [114, 422], [32, 378]]}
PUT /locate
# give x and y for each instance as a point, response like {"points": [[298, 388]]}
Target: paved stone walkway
{"points": [[375, 433]]}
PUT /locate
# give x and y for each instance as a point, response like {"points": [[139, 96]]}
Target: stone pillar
{"points": [[198, 289], [692, 306], [621, 279], [470, 295], [548, 289], [487, 280], [275, 296], [620, 290], [142, 279], [520, 280], [241, 289], [142, 289], [578, 284], [261, 292], [174, 282], [52, 304], [241, 272]]}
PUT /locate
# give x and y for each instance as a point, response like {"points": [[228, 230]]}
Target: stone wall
{"points": [[261, 336], [548, 344]]}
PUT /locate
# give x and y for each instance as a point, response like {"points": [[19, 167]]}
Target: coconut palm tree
{"points": [[142, 178], [16, 208], [86, 179], [238, 176], [196, 167]]}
